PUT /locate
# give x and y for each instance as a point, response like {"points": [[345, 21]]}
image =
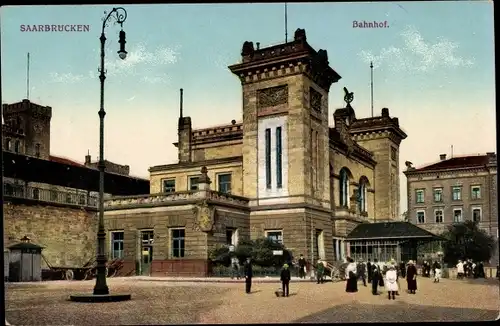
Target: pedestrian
{"points": [[320, 270], [437, 272], [480, 266], [248, 275], [460, 270], [375, 277], [391, 283], [302, 266], [369, 270], [402, 269], [411, 277], [350, 275], [361, 271], [285, 280], [235, 268]]}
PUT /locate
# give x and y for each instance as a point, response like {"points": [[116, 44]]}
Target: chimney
{"points": [[442, 157], [258, 45], [87, 158], [385, 112]]}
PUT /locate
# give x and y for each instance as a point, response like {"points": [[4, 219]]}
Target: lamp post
{"points": [[101, 290]]}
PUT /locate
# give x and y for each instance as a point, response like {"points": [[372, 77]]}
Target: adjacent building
{"points": [[453, 190], [282, 172], [52, 199]]}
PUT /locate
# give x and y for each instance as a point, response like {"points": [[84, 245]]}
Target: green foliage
{"points": [[259, 250], [466, 240]]}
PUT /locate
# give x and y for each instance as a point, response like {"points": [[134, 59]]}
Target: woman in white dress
{"points": [[391, 284]]}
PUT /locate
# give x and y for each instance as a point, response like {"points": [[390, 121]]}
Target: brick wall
{"points": [[68, 234]]}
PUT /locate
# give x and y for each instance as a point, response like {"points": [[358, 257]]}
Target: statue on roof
{"points": [[300, 35], [247, 49], [348, 97]]}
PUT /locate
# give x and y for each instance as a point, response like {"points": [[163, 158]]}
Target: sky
{"points": [[434, 70]]}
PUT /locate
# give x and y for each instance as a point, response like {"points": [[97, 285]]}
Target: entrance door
{"points": [[146, 252]]}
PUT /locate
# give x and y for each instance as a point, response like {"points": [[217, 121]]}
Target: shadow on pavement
{"points": [[399, 312]]}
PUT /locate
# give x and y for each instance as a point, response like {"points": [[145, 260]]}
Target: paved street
{"points": [[163, 302]]}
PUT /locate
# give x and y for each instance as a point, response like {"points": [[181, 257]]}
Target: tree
{"points": [[259, 250], [467, 241]]}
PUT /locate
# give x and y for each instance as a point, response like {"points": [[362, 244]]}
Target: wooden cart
{"points": [[86, 272]]}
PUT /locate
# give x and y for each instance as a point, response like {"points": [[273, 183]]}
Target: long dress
{"points": [[391, 283], [411, 274], [352, 279]]}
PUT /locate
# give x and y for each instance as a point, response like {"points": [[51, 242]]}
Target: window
{"points": [[456, 193], [224, 183], [37, 150], [276, 236], [193, 183], [362, 195], [53, 195], [344, 188], [476, 214], [420, 217], [69, 199], [393, 154], [279, 154], [438, 195], [169, 185], [178, 247], [475, 192], [420, 196], [9, 189], [231, 236], [8, 144], [438, 215], [117, 244], [268, 158], [457, 215], [81, 199], [17, 146], [36, 193]]}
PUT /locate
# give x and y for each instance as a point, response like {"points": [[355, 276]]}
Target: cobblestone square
{"points": [[163, 302]]}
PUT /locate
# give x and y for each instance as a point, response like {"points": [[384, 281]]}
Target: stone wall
{"points": [[67, 233]]}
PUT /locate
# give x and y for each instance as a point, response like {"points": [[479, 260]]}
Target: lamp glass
{"points": [[122, 54]]}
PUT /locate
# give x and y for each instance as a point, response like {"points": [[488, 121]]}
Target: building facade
{"points": [[282, 172], [51, 199], [454, 190]]}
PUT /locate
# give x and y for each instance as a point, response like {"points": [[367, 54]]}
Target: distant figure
{"points": [[375, 277], [391, 283], [402, 269], [248, 275], [320, 270], [302, 266], [369, 270], [361, 271], [411, 277], [350, 275], [437, 272], [236, 268], [285, 280], [460, 270]]}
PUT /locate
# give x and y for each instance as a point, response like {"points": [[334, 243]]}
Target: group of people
{"points": [[468, 268], [381, 275]]}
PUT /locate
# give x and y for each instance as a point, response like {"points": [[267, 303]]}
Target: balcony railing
{"points": [[50, 196]]}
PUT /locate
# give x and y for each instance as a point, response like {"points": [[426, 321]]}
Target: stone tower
{"points": [[382, 136], [34, 121], [286, 139]]}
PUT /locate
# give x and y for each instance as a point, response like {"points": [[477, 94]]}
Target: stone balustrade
{"points": [[174, 198]]}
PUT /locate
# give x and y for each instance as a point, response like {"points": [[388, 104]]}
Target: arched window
{"points": [[17, 146], [8, 144], [362, 193], [344, 187]]}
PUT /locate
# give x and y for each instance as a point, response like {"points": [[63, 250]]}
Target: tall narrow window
{"points": [[268, 158], [117, 244], [17, 146], [279, 153], [37, 150], [316, 159], [344, 188]]}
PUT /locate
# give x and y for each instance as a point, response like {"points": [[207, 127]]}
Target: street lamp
{"points": [[101, 290]]}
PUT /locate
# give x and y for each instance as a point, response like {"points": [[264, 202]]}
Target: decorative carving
{"points": [[206, 217], [272, 96], [315, 99], [300, 35], [247, 48], [37, 128], [348, 97]]}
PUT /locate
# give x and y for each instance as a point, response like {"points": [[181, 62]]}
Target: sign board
{"points": [[278, 252], [231, 248]]}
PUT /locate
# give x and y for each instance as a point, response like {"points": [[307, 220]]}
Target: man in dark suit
{"points": [[369, 270], [285, 279], [248, 275]]}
